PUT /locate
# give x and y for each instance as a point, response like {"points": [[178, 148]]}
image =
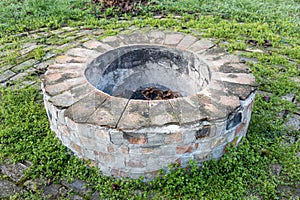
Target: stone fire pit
{"points": [[101, 101]]}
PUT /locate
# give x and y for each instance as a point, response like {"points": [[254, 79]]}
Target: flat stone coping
{"points": [[66, 86]]}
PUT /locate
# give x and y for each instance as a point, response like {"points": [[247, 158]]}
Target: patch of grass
{"points": [[19, 16], [38, 53], [243, 10]]}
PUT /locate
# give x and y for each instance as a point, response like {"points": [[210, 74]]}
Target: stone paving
{"points": [[23, 63], [25, 70]]}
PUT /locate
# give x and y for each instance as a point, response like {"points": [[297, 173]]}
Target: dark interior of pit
{"points": [[154, 92], [148, 73]]}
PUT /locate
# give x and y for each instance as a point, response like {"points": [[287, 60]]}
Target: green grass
{"points": [[243, 172], [18, 16], [243, 10]]}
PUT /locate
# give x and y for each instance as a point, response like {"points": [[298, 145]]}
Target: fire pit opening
{"points": [[148, 73]]}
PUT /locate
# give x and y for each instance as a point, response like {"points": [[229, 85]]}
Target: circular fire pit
{"points": [[135, 103], [141, 66]]}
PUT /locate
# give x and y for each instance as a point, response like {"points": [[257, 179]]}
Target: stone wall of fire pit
{"points": [[88, 95]]}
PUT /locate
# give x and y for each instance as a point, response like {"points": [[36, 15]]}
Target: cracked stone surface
{"points": [[14, 171], [8, 189]]}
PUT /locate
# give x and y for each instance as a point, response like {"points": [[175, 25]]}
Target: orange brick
{"points": [[173, 138], [184, 149]]}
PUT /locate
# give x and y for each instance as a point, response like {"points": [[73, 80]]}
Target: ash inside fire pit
{"points": [[154, 92], [148, 73]]}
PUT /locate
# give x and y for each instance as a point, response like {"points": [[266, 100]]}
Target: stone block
{"points": [[113, 41], [135, 116], [69, 97], [23, 66], [71, 59], [174, 138], [230, 136], [126, 137], [111, 148], [201, 45], [85, 130], [202, 156], [161, 113], [109, 112], [51, 191], [90, 144], [71, 124], [156, 37], [58, 88], [220, 127], [64, 99], [81, 91], [78, 186], [65, 68], [64, 130], [102, 134], [184, 149], [6, 75], [242, 91], [135, 38], [240, 78], [81, 52], [217, 141], [90, 154], [234, 68], [230, 102], [241, 130], [116, 137], [7, 189], [28, 47], [65, 140], [93, 44], [151, 174], [204, 145], [76, 148], [156, 163], [104, 157], [14, 171], [84, 108], [186, 42], [248, 103], [186, 109], [35, 184], [172, 39], [166, 150], [189, 136], [155, 139], [217, 152], [119, 173], [52, 78], [132, 163], [135, 138]]}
